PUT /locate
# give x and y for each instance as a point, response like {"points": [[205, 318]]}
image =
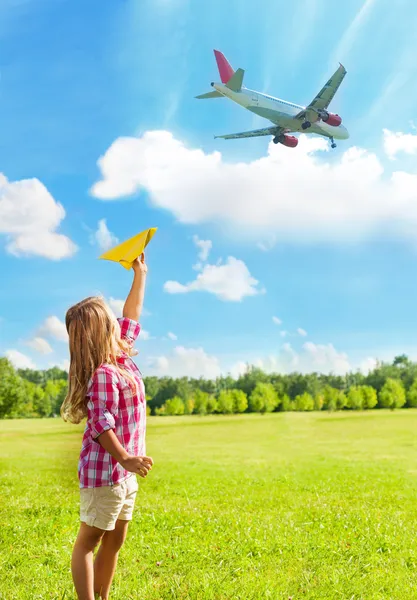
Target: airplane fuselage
{"points": [[280, 112]]}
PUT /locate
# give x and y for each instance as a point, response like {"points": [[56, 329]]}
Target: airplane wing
{"points": [[325, 95], [254, 133]]}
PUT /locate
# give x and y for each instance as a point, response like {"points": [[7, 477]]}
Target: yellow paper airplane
{"points": [[128, 251]]}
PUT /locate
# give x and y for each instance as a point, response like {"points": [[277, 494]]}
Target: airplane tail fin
{"points": [[235, 83], [225, 70]]}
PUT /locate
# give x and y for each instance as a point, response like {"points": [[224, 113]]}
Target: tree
{"points": [[211, 404], [412, 395], [221, 383], [341, 400], [297, 384], [189, 405], [250, 379], [200, 402], [392, 394], [11, 390], [304, 402], [318, 401], [355, 399], [286, 404], [55, 392], [41, 404], [401, 361], [240, 401], [370, 399], [32, 375], [152, 385], [174, 406], [225, 402], [263, 398], [330, 397]]}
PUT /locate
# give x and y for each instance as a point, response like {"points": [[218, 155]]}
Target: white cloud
{"points": [[40, 345], [204, 247], [367, 365], [285, 361], [326, 359], [19, 360], [277, 321], [104, 238], [323, 358], [145, 335], [238, 369], [195, 362], [29, 217], [64, 364], [172, 336], [53, 327], [231, 281], [283, 333], [302, 332], [191, 362], [399, 142], [349, 197], [116, 306]]}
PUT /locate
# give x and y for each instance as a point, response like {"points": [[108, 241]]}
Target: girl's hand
{"points": [[138, 464], [139, 265]]}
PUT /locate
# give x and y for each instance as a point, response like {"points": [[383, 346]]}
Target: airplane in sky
{"points": [[285, 116]]}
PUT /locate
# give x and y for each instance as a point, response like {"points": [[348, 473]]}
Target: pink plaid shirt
{"points": [[112, 404]]}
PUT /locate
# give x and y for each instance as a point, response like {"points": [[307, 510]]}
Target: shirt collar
{"points": [[122, 358]]}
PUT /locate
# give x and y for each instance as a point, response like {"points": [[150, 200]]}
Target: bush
{"points": [[370, 399], [412, 395], [225, 402], [189, 406], [392, 394], [304, 402], [240, 401], [174, 406], [355, 399], [263, 398], [286, 404]]}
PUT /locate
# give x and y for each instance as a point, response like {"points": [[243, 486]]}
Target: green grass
{"points": [[312, 506]]}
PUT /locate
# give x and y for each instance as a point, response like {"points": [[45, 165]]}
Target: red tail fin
{"points": [[225, 70]]}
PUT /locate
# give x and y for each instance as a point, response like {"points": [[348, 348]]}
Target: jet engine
{"points": [[288, 140], [331, 119]]}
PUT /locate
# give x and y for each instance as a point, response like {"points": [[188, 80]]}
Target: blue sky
{"points": [[80, 81]]}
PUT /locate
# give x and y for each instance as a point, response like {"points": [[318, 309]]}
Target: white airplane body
{"points": [[286, 117]]}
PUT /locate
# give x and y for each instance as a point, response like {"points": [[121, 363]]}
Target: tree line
{"points": [[27, 393]]}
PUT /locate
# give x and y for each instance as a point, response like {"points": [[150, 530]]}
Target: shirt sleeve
{"points": [[129, 329], [103, 394]]}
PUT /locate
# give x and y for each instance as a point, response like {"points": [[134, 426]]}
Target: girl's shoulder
{"points": [[104, 374]]}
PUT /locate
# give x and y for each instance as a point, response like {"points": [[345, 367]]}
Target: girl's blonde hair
{"points": [[94, 339]]}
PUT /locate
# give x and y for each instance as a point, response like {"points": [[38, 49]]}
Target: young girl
{"points": [[106, 386]]}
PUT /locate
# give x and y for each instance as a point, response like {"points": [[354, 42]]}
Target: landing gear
{"points": [[333, 143], [305, 125]]}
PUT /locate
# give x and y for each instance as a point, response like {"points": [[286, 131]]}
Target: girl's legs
{"points": [[82, 561], [106, 558]]}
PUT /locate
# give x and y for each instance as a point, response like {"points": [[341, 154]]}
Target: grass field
{"points": [[316, 506]]}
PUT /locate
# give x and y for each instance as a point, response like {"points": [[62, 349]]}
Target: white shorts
{"points": [[101, 506]]}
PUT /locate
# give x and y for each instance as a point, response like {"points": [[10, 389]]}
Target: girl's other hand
{"points": [[139, 265], [138, 464]]}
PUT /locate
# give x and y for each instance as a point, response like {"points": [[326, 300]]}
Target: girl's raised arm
{"points": [[134, 302]]}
